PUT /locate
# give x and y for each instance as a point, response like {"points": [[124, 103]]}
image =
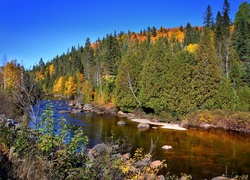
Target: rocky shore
{"points": [[235, 123]]}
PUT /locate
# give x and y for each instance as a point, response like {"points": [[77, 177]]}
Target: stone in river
{"points": [[121, 123], [143, 126], [166, 147]]}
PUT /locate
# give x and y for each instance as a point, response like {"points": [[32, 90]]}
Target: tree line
{"points": [[167, 71]]}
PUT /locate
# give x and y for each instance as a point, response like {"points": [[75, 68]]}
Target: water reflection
{"points": [[203, 154]]}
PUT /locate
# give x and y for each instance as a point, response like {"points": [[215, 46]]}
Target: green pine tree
{"points": [[207, 72], [154, 76]]}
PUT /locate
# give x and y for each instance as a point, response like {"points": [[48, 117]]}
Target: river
{"points": [[201, 153]]}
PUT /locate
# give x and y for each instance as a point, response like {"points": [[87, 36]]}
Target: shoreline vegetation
{"points": [[203, 119], [48, 149]]}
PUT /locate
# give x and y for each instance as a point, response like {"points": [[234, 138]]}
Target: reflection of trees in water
{"points": [[196, 152]]}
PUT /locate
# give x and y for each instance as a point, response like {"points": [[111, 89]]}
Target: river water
{"points": [[201, 153]]}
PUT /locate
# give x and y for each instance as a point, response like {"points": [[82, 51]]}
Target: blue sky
{"points": [[34, 29]]}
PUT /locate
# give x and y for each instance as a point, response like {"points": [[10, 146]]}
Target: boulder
{"points": [[79, 105], [88, 107], [142, 126], [71, 103], [98, 149], [205, 126], [142, 163], [64, 111], [161, 177], [166, 147], [116, 156], [120, 113], [126, 156], [121, 123], [219, 178], [75, 111], [155, 164]]}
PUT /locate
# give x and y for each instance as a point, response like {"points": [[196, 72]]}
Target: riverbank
{"points": [[203, 119], [235, 121]]}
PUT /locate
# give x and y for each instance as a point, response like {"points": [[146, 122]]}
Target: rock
{"points": [[71, 103], [88, 107], [99, 148], [120, 113], [142, 163], [115, 146], [143, 126], [121, 123], [166, 147], [155, 164], [219, 178], [79, 105], [116, 156], [161, 177], [64, 111], [75, 111], [100, 112], [205, 125], [126, 156]]}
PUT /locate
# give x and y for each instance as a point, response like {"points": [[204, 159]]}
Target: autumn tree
{"points": [[59, 86], [70, 86], [12, 76]]}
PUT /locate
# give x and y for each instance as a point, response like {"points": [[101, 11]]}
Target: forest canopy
{"points": [[166, 71]]}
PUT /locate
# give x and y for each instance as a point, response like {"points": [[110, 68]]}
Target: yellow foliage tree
{"points": [[70, 86], [59, 85], [39, 76], [11, 76], [51, 69], [192, 48]]}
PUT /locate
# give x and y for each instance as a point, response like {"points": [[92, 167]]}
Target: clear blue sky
{"points": [[34, 29]]}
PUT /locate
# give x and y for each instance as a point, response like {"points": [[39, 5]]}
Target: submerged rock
{"points": [[143, 126], [166, 147], [121, 123]]}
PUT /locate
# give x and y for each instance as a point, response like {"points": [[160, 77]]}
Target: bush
{"points": [[47, 153]]}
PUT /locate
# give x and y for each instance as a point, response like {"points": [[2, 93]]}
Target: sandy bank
{"points": [[163, 125]]}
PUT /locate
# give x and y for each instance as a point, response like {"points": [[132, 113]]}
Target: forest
{"points": [[194, 74], [167, 72]]}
